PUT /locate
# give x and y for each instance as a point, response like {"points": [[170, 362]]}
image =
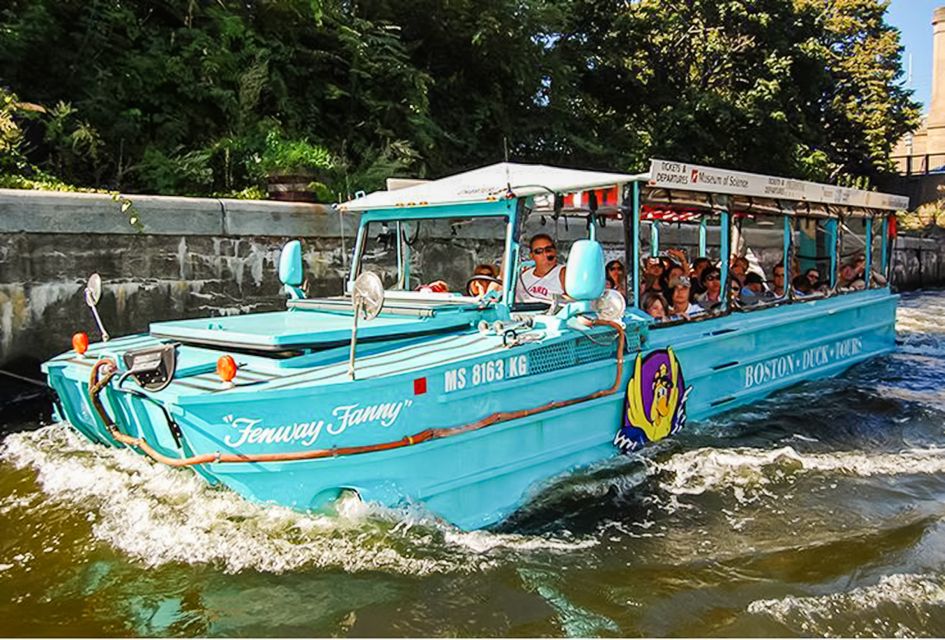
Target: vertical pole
{"points": [[356, 257], [884, 247], [832, 239], [702, 237], [654, 238], [510, 262], [726, 251], [786, 256], [868, 268], [636, 244], [629, 223], [354, 333]]}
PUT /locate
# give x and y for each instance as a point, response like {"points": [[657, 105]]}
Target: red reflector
{"points": [[226, 368], [80, 342], [419, 386]]}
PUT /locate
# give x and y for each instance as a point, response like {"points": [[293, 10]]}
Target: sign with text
{"points": [[667, 174]]}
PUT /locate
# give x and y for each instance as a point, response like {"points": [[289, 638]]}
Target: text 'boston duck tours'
{"points": [[467, 361]]}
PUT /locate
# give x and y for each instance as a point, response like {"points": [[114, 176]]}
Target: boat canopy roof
{"points": [[667, 182], [489, 184]]}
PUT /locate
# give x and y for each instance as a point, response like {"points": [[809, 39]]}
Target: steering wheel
{"points": [[480, 278]]}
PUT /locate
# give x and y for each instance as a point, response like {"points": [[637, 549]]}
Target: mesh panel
{"points": [[551, 358], [588, 351], [579, 350]]}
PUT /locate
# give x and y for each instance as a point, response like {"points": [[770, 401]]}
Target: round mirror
{"points": [[368, 295], [93, 290], [610, 305]]}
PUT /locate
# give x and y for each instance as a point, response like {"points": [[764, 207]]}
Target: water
{"points": [[819, 512]]}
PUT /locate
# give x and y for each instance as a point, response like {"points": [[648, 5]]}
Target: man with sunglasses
{"points": [[712, 285], [546, 278]]}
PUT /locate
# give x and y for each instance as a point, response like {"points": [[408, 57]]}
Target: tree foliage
{"points": [[180, 96]]}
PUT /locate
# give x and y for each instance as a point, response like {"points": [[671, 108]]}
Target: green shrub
{"points": [[282, 156]]}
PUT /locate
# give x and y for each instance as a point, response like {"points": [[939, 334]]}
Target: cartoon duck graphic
{"points": [[656, 398]]}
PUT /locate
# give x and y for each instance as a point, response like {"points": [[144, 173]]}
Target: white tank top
{"points": [[531, 288]]}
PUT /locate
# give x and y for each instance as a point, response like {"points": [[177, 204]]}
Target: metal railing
{"points": [[919, 164]]}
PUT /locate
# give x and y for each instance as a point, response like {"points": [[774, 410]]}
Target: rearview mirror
{"points": [[584, 279], [93, 290], [291, 271]]}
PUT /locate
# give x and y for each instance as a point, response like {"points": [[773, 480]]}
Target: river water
{"points": [[818, 512]]}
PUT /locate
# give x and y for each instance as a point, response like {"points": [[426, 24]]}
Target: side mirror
{"points": [[584, 279], [291, 272]]}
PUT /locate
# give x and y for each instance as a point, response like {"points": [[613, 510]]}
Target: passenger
{"points": [[652, 271], [712, 283], [681, 305], [777, 285], [695, 274], [802, 285], [479, 288], [852, 271], [813, 277], [675, 271], [679, 257], [546, 278], [655, 306], [753, 290], [739, 269], [616, 275]]}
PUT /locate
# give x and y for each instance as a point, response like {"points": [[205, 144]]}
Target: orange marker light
{"points": [[80, 342], [226, 368]]}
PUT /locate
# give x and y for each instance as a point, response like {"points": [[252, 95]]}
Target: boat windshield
{"points": [[436, 255]]}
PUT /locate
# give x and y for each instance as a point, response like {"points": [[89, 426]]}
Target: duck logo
{"points": [[656, 401]]}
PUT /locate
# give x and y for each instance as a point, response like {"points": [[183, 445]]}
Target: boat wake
{"points": [[159, 515], [748, 471], [899, 605]]}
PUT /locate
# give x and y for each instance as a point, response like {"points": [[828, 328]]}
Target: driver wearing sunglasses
{"points": [[546, 278]]}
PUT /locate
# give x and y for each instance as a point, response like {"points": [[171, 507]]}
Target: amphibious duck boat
{"points": [[409, 389]]}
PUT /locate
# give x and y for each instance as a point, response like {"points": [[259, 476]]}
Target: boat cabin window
{"points": [[435, 255], [538, 275], [853, 249], [759, 271], [812, 272], [879, 257], [680, 255]]}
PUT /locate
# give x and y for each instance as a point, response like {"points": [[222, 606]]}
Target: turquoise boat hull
{"points": [[476, 478]]}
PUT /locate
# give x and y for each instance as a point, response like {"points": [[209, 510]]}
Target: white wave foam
{"points": [[862, 611], [749, 470], [161, 515]]}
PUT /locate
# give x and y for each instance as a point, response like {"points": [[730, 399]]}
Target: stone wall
{"points": [[194, 257], [198, 257]]}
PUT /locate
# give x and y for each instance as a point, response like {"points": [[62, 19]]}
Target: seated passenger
{"points": [[712, 283], [852, 271], [678, 256], [681, 305], [437, 286], [695, 274], [546, 278], [753, 290], [777, 284], [616, 275], [813, 277], [739, 269], [802, 285], [655, 306], [674, 271], [652, 272], [479, 288]]}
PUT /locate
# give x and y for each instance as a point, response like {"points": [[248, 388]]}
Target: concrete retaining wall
{"points": [[199, 257]]}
